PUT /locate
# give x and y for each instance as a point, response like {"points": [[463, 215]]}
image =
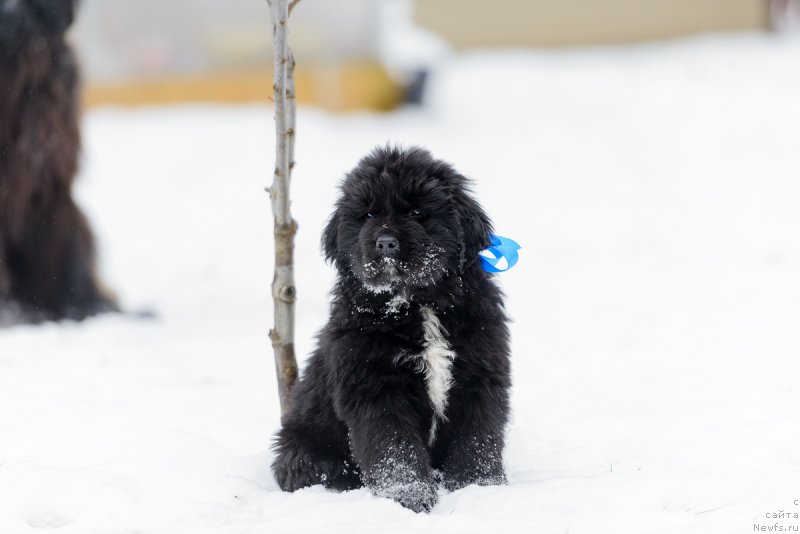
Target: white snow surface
{"points": [[656, 338]]}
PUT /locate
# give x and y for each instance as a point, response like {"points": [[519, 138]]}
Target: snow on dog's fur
{"points": [[412, 370]]}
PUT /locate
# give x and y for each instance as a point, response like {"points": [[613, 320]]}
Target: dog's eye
{"points": [[369, 216], [416, 213]]}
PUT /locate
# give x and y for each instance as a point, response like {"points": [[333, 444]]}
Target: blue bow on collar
{"points": [[502, 248]]}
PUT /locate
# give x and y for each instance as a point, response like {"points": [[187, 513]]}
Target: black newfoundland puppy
{"points": [[46, 248], [410, 383]]}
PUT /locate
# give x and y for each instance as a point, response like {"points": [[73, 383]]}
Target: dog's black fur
{"points": [[361, 414], [46, 247]]}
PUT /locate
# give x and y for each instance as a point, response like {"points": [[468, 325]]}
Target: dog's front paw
{"points": [[294, 473], [477, 460], [473, 469], [418, 496]]}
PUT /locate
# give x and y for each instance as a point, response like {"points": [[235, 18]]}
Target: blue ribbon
{"points": [[502, 247]]}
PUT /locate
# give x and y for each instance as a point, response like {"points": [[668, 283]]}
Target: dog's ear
{"points": [[330, 237], [476, 227]]}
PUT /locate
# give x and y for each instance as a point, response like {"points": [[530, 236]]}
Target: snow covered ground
{"points": [[656, 193]]}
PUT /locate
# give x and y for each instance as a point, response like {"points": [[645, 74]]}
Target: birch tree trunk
{"points": [[283, 288]]}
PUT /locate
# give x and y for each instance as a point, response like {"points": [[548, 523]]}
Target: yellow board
{"points": [[338, 88], [517, 23]]}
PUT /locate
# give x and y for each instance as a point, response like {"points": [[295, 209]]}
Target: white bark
{"points": [[283, 288]]}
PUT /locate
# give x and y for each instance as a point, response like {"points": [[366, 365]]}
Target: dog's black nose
{"points": [[387, 245]]}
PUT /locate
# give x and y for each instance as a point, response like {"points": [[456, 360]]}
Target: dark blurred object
{"points": [[46, 248], [415, 91]]}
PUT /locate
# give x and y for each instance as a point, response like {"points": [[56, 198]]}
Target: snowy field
{"points": [[656, 193]]}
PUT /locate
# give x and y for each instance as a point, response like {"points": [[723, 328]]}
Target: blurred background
{"points": [[362, 54]]}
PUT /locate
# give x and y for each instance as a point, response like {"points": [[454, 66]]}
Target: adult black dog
{"points": [[46, 247], [411, 378]]}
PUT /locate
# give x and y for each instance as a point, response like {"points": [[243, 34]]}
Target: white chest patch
{"points": [[436, 361]]}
